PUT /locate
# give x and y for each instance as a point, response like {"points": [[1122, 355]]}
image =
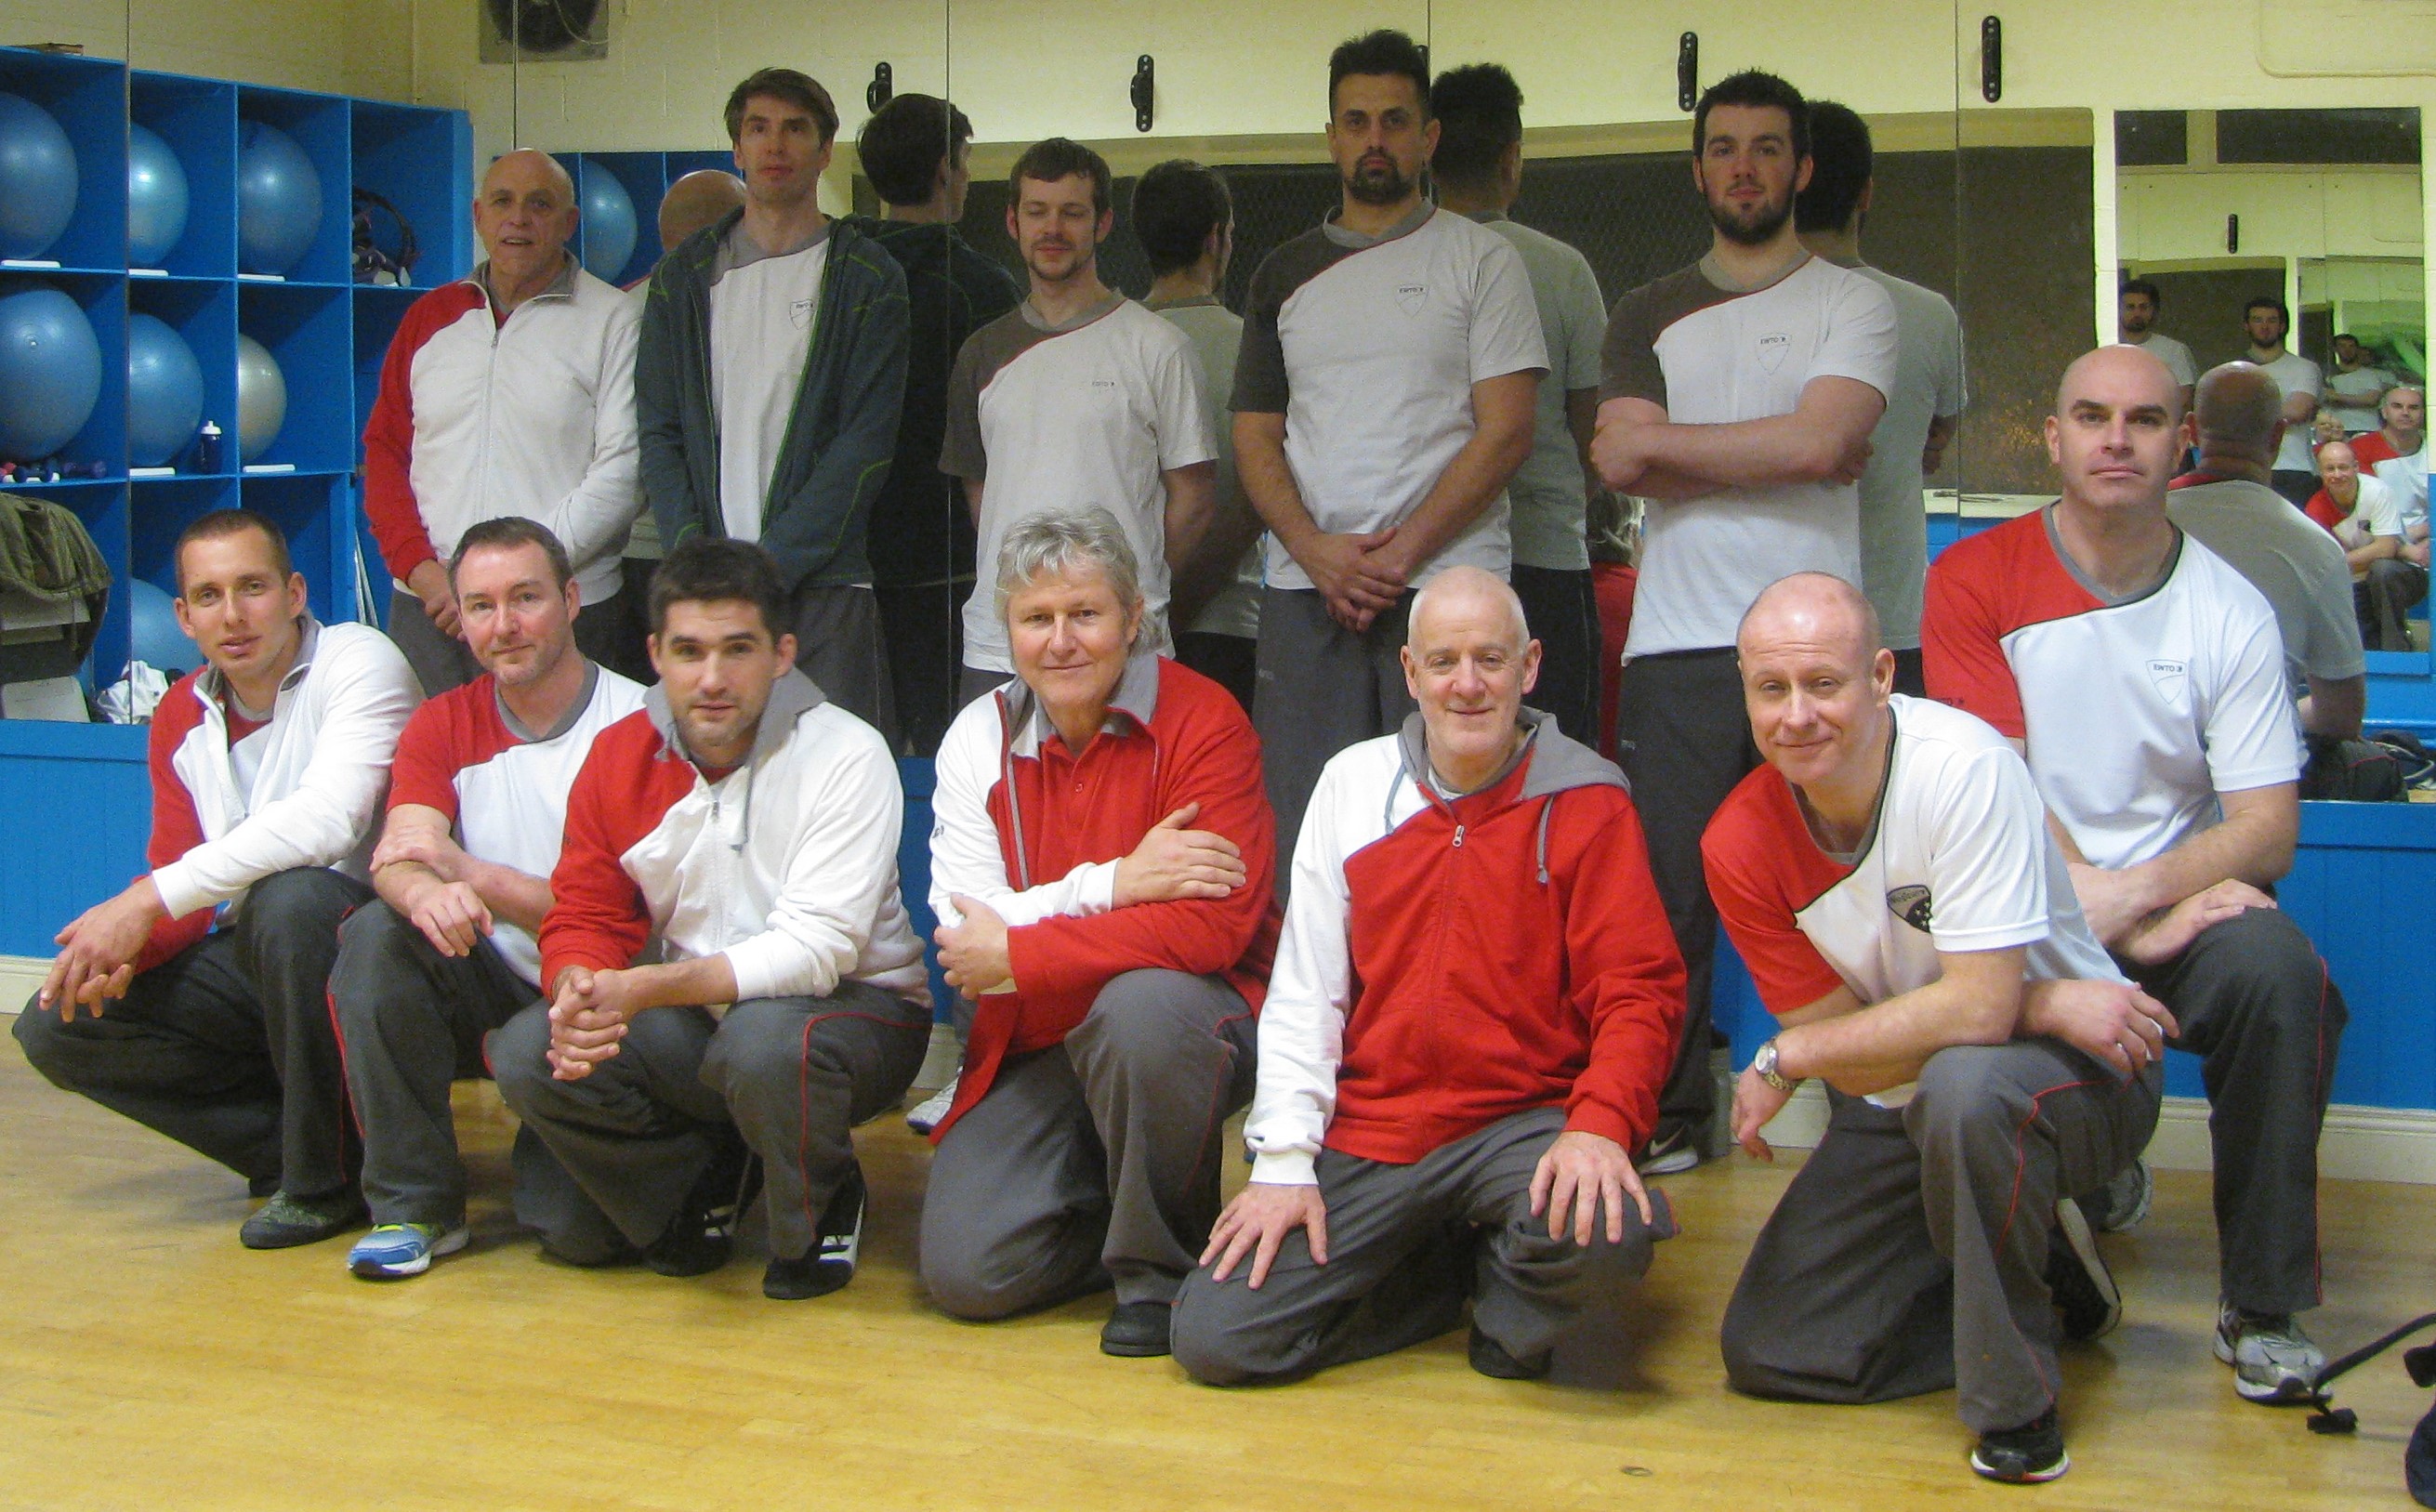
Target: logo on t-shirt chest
{"points": [[799, 312], [1772, 347], [2170, 677], [1411, 297], [1910, 903]]}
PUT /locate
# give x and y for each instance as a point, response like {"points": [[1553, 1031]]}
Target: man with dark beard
{"points": [[1738, 399], [1386, 390]]}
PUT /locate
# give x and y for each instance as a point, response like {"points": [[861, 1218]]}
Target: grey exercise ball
{"points": [[261, 398]]}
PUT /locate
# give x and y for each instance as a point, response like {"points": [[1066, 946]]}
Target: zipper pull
{"points": [[1458, 837]]}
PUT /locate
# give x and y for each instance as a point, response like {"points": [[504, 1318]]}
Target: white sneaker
{"points": [[927, 1115], [2273, 1359]]}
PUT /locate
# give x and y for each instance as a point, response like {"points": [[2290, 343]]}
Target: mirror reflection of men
{"points": [[2361, 512], [2136, 308], [2355, 385], [2396, 455], [2267, 322]]}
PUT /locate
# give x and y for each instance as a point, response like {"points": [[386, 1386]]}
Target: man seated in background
{"points": [[268, 765], [1474, 1005], [1103, 858], [477, 801], [1889, 880], [750, 826], [2396, 455], [2226, 505], [2360, 512]]}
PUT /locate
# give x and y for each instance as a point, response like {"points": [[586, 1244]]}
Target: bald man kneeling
{"points": [[1888, 878], [1475, 1004]]}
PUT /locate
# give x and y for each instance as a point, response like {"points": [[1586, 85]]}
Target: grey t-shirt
{"points": [[1548, 490], [1217, 335], [1894, 522], [2291, 561]]}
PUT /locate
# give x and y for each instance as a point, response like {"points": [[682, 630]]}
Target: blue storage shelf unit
{"points": [[644, 177], [197, 119], [88, 97]]}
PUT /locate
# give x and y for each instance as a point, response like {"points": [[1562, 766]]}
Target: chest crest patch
{"points": [[1411, 297], [799, 311], [1910, 903], [2169, 676], [1772, 348]]}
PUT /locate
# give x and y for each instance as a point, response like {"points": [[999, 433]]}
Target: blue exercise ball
{"points": [[50, 373], [278, 200], [608, 224], [37, 179], [165, 391], [156, 198], [159, 642], [261, 398]]}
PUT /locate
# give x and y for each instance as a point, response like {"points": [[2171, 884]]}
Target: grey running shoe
{"points": [[926, 1115], [2273, 1359], [2126, 1201], [285, 1222]]}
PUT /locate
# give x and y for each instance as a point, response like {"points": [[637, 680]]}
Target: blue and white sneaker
{"points": [[394, 1251]]}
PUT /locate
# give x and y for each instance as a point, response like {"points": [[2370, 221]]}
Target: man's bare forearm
{"points": [[1978, 1001], [1268, 478], [690, 983]]}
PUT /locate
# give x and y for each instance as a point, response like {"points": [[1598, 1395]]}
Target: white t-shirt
{"points": [[1370, 347], [1089, 412], [2295, 373], [2174, 354], [1217, 336], [1958, 858], [1551, 496], [2138, 711], [2406, 478], [1709, 355], [761, 316], [2353, 396], [1894, 520]]}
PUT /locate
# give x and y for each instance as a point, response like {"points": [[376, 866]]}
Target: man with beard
{"points": [[2136, 321], [2267, 322], [1386, 391], [1077, 397], [1738, 399], [768, 379]]}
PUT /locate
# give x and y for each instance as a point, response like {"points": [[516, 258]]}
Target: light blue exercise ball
{"points": [[608, 224], [278, 200], [50, 373], [159, 642], [37, 179], [261, 398], [165, 391], [156, 198]]}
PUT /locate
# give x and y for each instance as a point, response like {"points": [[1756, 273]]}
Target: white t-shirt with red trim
{"points": [[1958, 858], [504, 788], [2138, 711]]}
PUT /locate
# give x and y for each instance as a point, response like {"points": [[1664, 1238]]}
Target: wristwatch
{"points": [[1764, 1063]]}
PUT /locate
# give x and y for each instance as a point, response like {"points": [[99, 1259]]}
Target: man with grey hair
{"points": [[1475, 1002], [2228, 505], [2365, 520], [1888, 878], [1103, 859]]}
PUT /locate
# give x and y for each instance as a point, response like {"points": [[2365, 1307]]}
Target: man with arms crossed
{"points": [[477, 802], [267, 767], [2267, 322], [2359, 511], [1912, 435], [2147, 680], [1078, 397], [508, 392], [2396, 455], [1103, 857], [1478, 169], [1739, 398], [1385, 395], [2136, 308], [1888, 878], [1473, 1006], [752, 827], [768, 379]]}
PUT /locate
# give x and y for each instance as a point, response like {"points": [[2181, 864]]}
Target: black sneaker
{"points": [[1489, 1358], [835, 1248], [1137, 1331], [285, 1222], [2085, 1290], [702, 1237], [2028, 1455], [1670, 1152]]}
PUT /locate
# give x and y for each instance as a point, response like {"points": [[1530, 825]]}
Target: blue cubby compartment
{"points": [[103, 440], [313, 508], [681, 163], [645, 178], [319, 123], [197, 119], [419, 160], [205, 312], [88, 97], [308, 331], [94, 776], [158, 509]]}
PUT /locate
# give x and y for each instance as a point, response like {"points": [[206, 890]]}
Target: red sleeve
{"points": [[176, 828], [388, 434], [1962, 629], [598, 915], [1628, 979], [1215, 763], [1750, 861], [2321, 510], [425, 770]]}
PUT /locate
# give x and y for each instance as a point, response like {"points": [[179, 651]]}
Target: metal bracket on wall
{"points": [[882, 87], [1143, 92], [1687, 71], [1992, 59], [2232, 234]]}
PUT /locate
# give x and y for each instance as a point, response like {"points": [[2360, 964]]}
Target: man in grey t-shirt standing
{"points": [[1912, 435], [1478, 167]]}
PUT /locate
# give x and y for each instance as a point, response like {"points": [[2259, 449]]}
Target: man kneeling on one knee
{"points": [[1475, 1004], [1888, 878], [752, 827], [1105, 859]]}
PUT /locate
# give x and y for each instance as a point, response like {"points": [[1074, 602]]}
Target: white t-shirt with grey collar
{"points": [[762, 311]]}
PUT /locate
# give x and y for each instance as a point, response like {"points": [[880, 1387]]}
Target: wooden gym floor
{"points": [[147, 1360]]}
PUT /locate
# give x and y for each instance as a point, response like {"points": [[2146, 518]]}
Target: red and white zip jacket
{"points": [[1449, 962], [320, 768], [1035, 831], [786, 865], [534, 415]]}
